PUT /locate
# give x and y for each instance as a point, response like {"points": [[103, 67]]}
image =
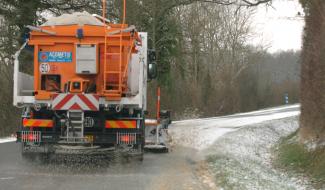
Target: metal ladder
{"points": [[113, 89], [75, 128]]}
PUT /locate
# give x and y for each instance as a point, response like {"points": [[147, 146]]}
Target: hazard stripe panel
{"points": [[87, 102], [37, 123], [121, 124]]}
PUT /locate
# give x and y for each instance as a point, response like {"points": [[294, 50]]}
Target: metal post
{"points": [[104, 10], [158, 105], [157, 134], [286, 98]]}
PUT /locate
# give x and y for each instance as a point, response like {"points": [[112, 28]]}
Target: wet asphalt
{"points": [[174, 170]]}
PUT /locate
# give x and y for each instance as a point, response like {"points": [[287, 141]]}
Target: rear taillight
{"points": [[126, 138], [31, 136]]}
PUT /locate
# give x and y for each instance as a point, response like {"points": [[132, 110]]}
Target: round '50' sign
{"points": [[44, 68]]}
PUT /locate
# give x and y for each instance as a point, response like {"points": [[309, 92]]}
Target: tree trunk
{"points": [[312, 120]]}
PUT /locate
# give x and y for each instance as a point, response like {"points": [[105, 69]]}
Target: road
{"points": [[182, 168]]}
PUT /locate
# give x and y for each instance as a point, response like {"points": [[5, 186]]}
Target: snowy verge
{"points": [[242, 159], [7, 139], [271, 110], [202, 133]]}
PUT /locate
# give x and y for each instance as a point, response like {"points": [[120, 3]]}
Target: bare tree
{"points": [[215, 52]]}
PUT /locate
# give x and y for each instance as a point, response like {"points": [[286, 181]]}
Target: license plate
{"points": [[89, 138]]}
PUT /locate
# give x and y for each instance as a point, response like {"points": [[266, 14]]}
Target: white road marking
{"points": [[7, 139], [6, 178]]}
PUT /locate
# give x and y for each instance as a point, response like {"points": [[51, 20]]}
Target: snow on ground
{"points": [[243, 159], [239, 147], [263, 111], [201, 133], [7, 139]]}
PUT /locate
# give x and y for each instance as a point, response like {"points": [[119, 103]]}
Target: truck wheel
{"points": [[139, 157], [28, 156], [25, 154]]}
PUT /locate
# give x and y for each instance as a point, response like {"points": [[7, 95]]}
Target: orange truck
{"points": [[88, 88]]}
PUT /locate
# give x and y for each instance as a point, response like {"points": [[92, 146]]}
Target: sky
{"points": [[278, 27]]}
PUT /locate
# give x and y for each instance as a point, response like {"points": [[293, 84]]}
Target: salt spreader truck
{"points": [[88, 88]]}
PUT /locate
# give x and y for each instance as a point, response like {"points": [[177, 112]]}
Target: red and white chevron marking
{"points": [[75, 102]]}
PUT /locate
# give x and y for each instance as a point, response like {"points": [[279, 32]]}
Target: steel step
{"points": [[76, 122], [76, 128]]}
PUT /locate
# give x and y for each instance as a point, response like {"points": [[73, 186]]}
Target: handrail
{"points": [[121, 48], [120, 66], [105, 45]]}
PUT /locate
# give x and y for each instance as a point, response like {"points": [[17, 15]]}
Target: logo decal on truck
{"points": [[55, 56]]}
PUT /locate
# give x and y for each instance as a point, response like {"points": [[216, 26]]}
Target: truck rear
{"points": [[88, 89]]}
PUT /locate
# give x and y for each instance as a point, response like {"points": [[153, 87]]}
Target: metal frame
{"points": [[18, 99]]}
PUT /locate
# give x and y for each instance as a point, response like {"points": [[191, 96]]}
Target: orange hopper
{"points": [[64, 36]]}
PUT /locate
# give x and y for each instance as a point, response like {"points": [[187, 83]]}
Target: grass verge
{"points": [[293, 156]]}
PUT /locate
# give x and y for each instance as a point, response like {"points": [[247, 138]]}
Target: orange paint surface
{"points": [[110, 79], [121, 124], [37, 123]]}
